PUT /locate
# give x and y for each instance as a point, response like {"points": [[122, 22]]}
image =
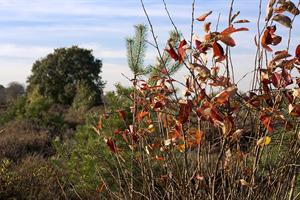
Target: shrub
{"points": [[21, 138], [32, 178]]}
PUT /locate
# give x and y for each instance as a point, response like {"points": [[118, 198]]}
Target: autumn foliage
{"points": [[214, 141]]}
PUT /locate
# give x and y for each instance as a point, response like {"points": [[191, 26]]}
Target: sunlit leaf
{"points": [[264, 141], [294, 110], [181, 147], [204, 16], [181, 51], [223, 96], [266, 121]]}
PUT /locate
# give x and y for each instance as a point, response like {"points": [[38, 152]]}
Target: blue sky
{"points": [[30, 29]]}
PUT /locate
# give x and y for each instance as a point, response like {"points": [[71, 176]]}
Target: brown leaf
{"points": [[279, 55], [204, 16], [266, 40], [226, 39], [283, 20], [122, 114], [287, 6], [276, 40], [206, 27], [185, 110], [241, 21], [294, 110]]}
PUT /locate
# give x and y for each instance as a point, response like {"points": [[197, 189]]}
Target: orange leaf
{"points": [[266, 121], [100, 187], [198, 137], [223, 96], [266, 40], [141, 116], [204, 16], [181, 51], [100, 126]]}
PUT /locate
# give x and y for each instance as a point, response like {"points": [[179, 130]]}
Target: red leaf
{"points": [[286, 77], [276, 79], [111, 144], [172, 53], [201, 47], [117, 132], [204, 16], [218, 52]]}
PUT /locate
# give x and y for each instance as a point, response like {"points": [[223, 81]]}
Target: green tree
{"points": [[58, 74], [136, 49]]}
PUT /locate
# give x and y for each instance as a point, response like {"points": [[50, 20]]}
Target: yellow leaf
{"points": [[264, 141], [181, 148], [151, 128]]}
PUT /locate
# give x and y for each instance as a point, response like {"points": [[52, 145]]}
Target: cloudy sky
{"points": [[30, 29]]}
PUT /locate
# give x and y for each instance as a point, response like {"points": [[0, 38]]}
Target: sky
{"points": [[31, 29]]}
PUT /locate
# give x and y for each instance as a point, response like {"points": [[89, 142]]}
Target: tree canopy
{"points": [[59, 75]]}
